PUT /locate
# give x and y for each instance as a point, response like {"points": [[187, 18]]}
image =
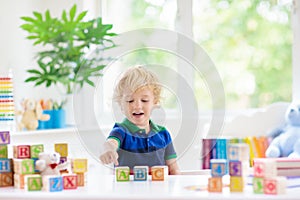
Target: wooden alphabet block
{"points": [[218, 167], [19, 181], [5, 165], [21, 151], [275, 185], [122, 173], [4, 137], [159, 173], [264, 167], [70, 181], [35, 150], [215, 184], [238, 168], [6, 179], [81, 179], [24, 166], [140, 173], [62, 149], [236, 184], [33, 182], [53, 183], [258, 185], [79, 165], [3, 151], [238, 151]]}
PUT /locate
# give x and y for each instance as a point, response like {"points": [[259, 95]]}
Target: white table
{"points": [[103, 186]]}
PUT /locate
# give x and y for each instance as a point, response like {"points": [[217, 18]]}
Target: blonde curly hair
{"points": [[135, 78]]}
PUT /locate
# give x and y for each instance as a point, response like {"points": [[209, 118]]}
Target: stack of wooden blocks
{"points": [[238, 157], [6, 172], [20, 171], [265, 180], [140, 173]]}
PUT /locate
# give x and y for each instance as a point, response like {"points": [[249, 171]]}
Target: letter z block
{"points": [[53, 183], [140, 173], [159, 173], [122, 173]]}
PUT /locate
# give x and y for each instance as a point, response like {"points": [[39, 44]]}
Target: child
{"points": [[137, 140]]}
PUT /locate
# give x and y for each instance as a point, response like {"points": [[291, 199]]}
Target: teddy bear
{"points": [[49, 164], [286, 140], [32, 112]]}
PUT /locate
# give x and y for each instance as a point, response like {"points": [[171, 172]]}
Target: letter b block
{"points": [[122, 173], [140, 173]]}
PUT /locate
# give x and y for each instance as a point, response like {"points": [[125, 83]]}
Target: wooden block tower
{"points": [[238, 156], [6, 169], [218, 170]]}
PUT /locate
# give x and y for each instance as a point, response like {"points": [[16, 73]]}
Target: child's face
{"points": [[138, 106]]}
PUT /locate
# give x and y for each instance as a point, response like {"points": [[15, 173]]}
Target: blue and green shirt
{"points": [[136, 147]]}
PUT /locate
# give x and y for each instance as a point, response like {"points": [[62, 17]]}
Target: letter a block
{"points": [[218, 167], [122, 173], [33, 182], [6, 179], [70, 181], [53, 183], [4, 137], [24, 166], [159, 173], [215, 184], [62, 149], [22, 151], [3, 151], [140, 173]]}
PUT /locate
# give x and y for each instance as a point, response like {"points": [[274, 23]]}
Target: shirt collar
{"points": [[154, 128]]}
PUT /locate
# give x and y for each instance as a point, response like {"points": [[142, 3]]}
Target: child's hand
{"points": [[110, 155]]}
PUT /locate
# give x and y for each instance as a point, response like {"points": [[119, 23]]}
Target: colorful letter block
{"points": [[236, 184], [33, 182], [79, 165], [238, 151], [5, 165], [4, 137], [21, 151], [275, 185], [218, 167], [53, 183], [70, 181], [159, 173], [62, 149], [238, 168], [6, 179], [3, 151], [19, 181], [264, 167], [122, 173], [140, 173], [258, 185], [81, 179], [24, 166], [215, 184], [35, 150]]}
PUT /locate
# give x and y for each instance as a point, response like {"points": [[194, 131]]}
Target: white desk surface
{"points": [[104, 187]]}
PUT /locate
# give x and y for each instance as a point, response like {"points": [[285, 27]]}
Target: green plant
{"points": [[67, 41]]}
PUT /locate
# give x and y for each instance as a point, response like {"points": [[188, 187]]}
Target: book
{"points": [[288, 172], [287, 163]]}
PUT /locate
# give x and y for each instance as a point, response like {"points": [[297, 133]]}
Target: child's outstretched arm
{"points": [[173, 166], [110, 154]]}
